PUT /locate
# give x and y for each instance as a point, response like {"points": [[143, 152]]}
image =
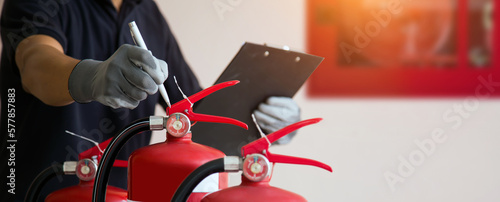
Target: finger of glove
{"points": [[139, 79], [285, 102], [124, 102], [268, 123], [132, 91], [155, 68], [118, 99], [116, 103], [280, 113], [285, 139], [163, 67]]}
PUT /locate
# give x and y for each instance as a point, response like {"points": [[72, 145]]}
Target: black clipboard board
{"points": [[263, 71]]}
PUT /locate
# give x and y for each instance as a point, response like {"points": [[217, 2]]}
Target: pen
{"points": [[139, 41]]}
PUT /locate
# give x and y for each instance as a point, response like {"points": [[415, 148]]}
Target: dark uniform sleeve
{"points": [[21, 19], [24, 18]]}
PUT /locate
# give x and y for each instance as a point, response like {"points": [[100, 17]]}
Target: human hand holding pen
{"points": [[136, 35], [123, 80]]}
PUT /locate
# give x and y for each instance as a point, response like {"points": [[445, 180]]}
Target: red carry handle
{"points": [[214, 119], [261, 146], [277, 158], [94, 151], [185, 106]]}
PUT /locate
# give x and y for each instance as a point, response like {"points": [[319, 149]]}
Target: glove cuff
{"points": [[80, 80]]}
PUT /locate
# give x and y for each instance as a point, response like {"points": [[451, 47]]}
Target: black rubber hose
{"points": [[101, 179], [36, 186], [188, 185]]}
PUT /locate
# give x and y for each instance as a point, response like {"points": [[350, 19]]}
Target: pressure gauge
{"points": [[86, 169], [178, 124], [256, 167]]}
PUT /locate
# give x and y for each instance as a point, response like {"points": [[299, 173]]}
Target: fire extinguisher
{"points": [[256, 165], [85, 169], [156, 171]]}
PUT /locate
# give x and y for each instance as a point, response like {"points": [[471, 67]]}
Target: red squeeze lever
{"points": [[94, 151], [185, 106], [261, 146]]}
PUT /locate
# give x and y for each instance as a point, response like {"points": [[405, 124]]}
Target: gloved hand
{"points": [[275, 114], [123, 80]]}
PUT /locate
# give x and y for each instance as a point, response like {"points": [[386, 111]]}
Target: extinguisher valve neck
{"points": [[232, 163], [157, 122], [69, 167]]}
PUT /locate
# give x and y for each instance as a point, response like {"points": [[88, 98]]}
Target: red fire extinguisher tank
{"points": [[83, 193], [170, 161], [253, 191], [85, 169], [256, 164], [156, 171]]}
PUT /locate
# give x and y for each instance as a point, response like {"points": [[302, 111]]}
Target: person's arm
{"points": [[45, 69], [123, 80]]}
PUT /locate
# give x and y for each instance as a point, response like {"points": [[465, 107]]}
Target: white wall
{"points": [[362, 139]]}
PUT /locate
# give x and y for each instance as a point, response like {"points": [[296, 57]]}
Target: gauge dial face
{"points": [[86, 169], [256, 167], [178, 125]]}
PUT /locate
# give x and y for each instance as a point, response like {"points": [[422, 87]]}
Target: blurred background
{"points": [[398, 145], [409, 94]]}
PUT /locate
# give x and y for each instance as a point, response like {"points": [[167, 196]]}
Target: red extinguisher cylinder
{"points": [[83, 193], [170, 162], [253, 191], [257, 164], [85, 169]]}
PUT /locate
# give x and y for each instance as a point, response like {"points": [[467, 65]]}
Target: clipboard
{"points": [[263, 71]]}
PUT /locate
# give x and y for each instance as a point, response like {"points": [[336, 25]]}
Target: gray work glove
{"points": [[123, 80], [275, 114]]}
